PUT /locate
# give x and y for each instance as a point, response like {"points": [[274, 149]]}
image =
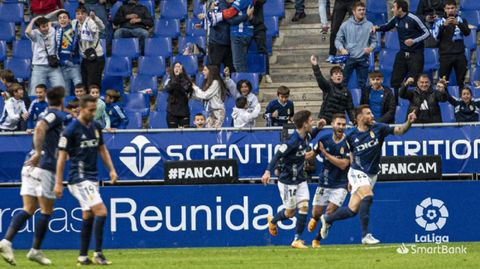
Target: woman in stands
{"points": [[213, 93], [118, 118], [179, 89]]}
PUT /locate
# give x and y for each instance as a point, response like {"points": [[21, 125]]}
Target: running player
{"points": [[292, 179], [365, 143], [38, 179], [81, 141], [333, 181]]}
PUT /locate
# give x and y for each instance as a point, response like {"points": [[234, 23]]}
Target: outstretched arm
{"points": [[400, 130]]}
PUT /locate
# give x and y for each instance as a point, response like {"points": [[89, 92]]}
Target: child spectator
{"points": [[7, 78], [280, 111], [37, 106], [241, 115], [242, 88], [80, 91], [179, 89], [118, 118], [213, 93], [199, 121], [14, 110], [72, 109], [101, 115], [466, 108]]}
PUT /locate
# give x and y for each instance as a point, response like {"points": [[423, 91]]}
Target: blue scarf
{"points": [[67, 49]]}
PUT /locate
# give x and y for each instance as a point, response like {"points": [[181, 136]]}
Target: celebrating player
{"points": [[292, 183], [38, 179], [333, 181], [365, 144], [82, 141]]}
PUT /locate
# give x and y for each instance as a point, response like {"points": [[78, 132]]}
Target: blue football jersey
{"points": [[285, 112], [55, 120], [292, 154], [332, 176], [245, 28], [81, 143], [366, 147]]}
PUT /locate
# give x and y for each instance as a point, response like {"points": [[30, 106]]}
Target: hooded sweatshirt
{"points": [[242, 118], [425, 103], [354, 36]]}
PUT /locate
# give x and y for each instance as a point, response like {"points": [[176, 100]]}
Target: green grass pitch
{"points": [[331, 257]]}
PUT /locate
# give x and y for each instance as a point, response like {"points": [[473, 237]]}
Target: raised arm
{"points": [[400, 130], [321, 81]]}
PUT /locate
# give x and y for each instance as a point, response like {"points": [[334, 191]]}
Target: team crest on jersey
{"points": [[97, 134], [372, 134], [342, 150]]}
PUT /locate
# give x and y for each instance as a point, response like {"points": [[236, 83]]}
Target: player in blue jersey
{"points": [[332, 187], [38, 179], [292, 181], [82, 141], [365, 143]]}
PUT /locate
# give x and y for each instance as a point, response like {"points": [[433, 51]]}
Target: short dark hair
{"points": [[423, 75], [450, 3], [72, 104], [84, 100], [466, 88], [199, 115], [63, 12], [358, 4], [402, 4], [7, 75], [41, 86], [81, 9], [375, 74], [41, 21], [283, 90], [241, 102], [359, 109], [55, 95], [338, 116], [336, 69], [79, 85], [300, 118], [13, 88], [93, 86], [114, 94], [240, 83]]}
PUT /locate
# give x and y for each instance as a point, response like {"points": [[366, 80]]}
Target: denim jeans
{"points": [[101, 12], [240, 52], [299, 6], [42, 73], [360, 65], [71, 75], [322, 10], [139, 33]]}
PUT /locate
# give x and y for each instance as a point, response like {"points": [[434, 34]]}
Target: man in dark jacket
{"points": [[424, 99], [380, 99], [219, 49], [134, 20], [430, 10], [336, 97]]}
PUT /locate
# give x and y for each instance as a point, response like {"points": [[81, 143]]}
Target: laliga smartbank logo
{"points": [[140, 158]]}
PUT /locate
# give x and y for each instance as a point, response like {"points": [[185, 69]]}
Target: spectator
{"points": [[91, 51], [101, 115], [430, 10], [336, 97], [355, 38], [37, 107], [7, 78], [214, 93], [45, 7], [44, 48], [260, 36], [79, 91], [118, 118], [67, 36], [134, 20], [179, 89], [242, 88], [241, 33], [219, 48], [281, 110], [450, 31], [424, 99], [73, 109], [299, 10], [199, 121], [466, 108], [340, 9], [411, 34], [14, 110], [99, 8], [241, 115], [380, 99]]}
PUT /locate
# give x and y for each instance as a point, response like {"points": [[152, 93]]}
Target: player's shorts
{"points": [[293, 194], [87, 194], [37, 182], [357, 179], [323, 196]]}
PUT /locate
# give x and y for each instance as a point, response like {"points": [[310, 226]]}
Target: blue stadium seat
{"points": [[134, 119], [470, 41], [112, 82], [173, 9], [126, 47], [431, 60], [256, 63], [413, 6], [12, 12], [352, 82], [469, 5], [474, 74], [21, 68], [271, 22], [201, 41], [22, 49], [454, 91], [401, 114], [199, 78], [151, 66], [114, 8], [137, 102], [376, 6], [158, 119], [252, 77], [371, 62], [253, 46], [404, 102], [158, 46], [190, 63], [167, 28], [477, 56], [103, 43], [162, 99], [356, 96], [191, 30], [378, 46], [447, 111], [274, 8], [3, 50], [70, 7], [143, 82], [7, 31], [196, 106], [229, 105], [66, 100], [23, 26], [150, 5], [472, 16], [391, 40], [198, 8], [2, 105], [386, 60], [118, 66], [377, 18]]}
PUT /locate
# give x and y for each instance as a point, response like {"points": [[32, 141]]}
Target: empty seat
{"points": [[199, 78], [196, 106], [158, 46], [391, 41], [200, 41], [413, 6], [158, 119], [376, 6], [377, 18], [469, 5], [252, 77], [167, 28], [194, 27], [386, 60], [447, 111], [401, 114], [21, 68], [274, 8], [431, 60], [151, 66], [470, 41], [112, 82], [22, 49], [454, 91], [256, 63], [271, 22], [356, 96], [472, 16], [118, 66], [198, 8], [12, 12], [134, 119], [7, 31], [162, 99], [150, 5], [190, 63], [253, 46], [3, 50], [173, 9], [70, 7], [143, 82], [137, 102], [474, 74], [126, 47]]}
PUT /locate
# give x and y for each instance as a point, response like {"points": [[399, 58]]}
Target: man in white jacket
{"points": [[241, 115]]}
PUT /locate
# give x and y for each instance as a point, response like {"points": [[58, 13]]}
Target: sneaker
{"points": [[6, 251], [299, 16], [325, 227], [298, 244], [99, 258], [83, 260], [312, 224], [38, 256], [325, 29], [370, 240], [272, 228], [315, 243], [330, 58], [268, 79]]}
